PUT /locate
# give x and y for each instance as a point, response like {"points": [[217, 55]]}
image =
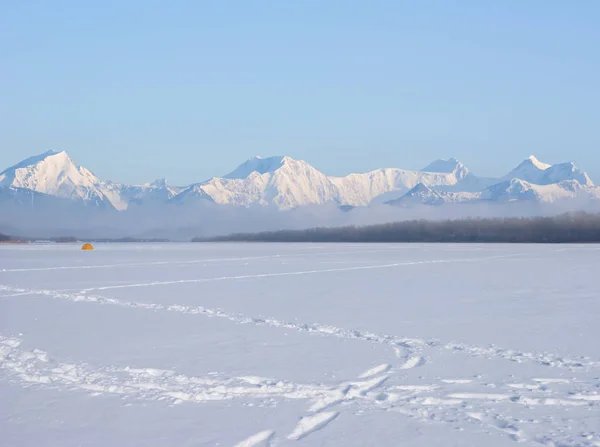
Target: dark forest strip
{"points": [[566, 228]]}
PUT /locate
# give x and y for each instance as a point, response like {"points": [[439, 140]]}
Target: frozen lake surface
{"points": [[291, 344]]}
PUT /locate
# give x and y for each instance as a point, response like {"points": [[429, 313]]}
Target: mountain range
{"points": [[285, 183]]}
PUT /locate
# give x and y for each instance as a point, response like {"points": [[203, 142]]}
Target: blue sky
{"points": [[140, 89]]}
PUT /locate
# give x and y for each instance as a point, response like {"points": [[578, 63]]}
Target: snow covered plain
{"points": [[268, 344]]}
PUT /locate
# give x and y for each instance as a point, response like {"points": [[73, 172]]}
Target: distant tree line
{"points": [[566, 228], [73, 239], [64, 239], [128, 239]]}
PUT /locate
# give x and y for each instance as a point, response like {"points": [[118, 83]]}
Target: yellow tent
{"points": [[87, 247]]}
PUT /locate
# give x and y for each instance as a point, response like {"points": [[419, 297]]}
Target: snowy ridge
{"points": [[257, 164], [451, 166], [292, 184], [517, 189], [508, 191], [285, 183], [361, 189], [424, 195], [190, 195], [532, 181], [155, 193], [534, 171]]}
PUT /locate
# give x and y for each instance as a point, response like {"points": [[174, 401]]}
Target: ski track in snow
{"points": [[192, 261], [297, 273]]}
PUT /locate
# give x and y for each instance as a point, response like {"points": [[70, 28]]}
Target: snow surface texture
{"points": [[268, 344]]}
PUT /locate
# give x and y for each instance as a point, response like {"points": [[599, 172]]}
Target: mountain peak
{"points": [[159, 183], [531, 170], [450, 166], [260, 165], [532, 159], [54, 173], [36, 159], [419, 188], [424, 195], [567, 171], [419, 194], [538, 173]]}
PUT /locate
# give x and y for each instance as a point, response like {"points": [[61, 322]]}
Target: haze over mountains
{"points": [[51, 191]]}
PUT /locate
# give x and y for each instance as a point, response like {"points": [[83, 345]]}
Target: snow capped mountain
{"points": [[534, 171], [451, 166], [285, 183], [54, 173], [565, 171], [155, 193], [191, 194], [280, 181], [25, 197], [533, 161], [423, 195], [361, 189], [257, 164], [511, 190], [532, 180], [516, 189]]}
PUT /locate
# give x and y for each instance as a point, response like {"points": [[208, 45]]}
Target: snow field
{"points": [[251, 344]]}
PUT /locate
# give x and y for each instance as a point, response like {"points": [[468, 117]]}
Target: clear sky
{"points": [[140, 89]]}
